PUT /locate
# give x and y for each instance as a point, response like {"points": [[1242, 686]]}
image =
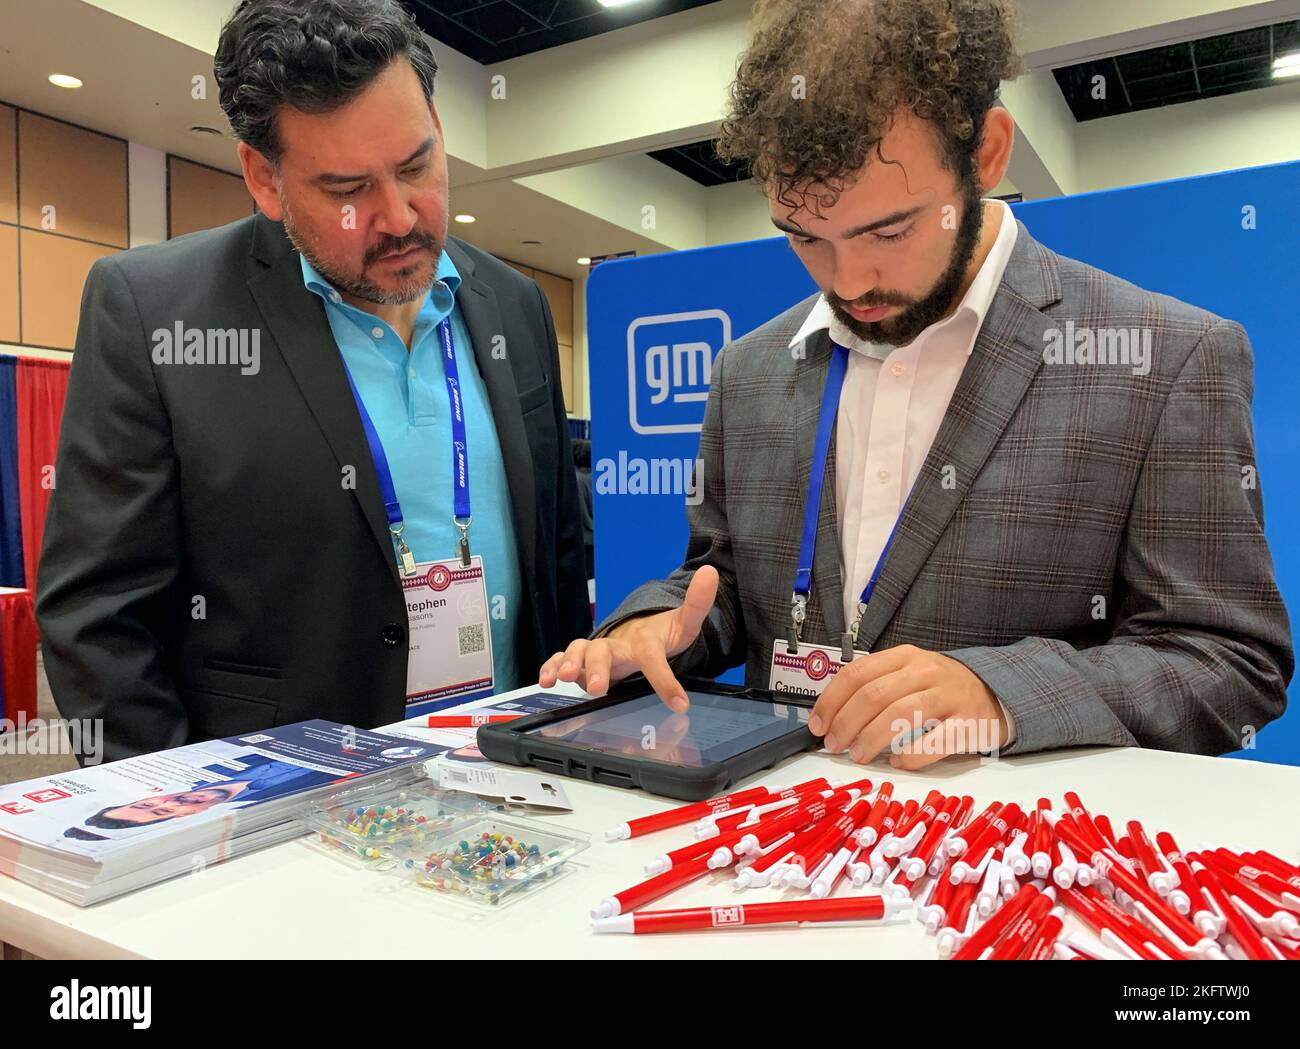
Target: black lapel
{"points": [[299, 329]]}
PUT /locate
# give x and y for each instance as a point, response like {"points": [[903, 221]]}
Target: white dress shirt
{"points": [[894, 399]]}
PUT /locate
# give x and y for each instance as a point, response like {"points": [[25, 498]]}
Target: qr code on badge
{"points": [[471, 639]]}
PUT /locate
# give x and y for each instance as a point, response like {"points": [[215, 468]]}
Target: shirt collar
{"points": [[441, 299], [975, 303]]}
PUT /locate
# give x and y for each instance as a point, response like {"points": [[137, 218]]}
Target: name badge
{"points": [[807, 672], [450, 635]]}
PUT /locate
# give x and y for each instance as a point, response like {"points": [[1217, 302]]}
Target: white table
{"points": [[293, 901]]}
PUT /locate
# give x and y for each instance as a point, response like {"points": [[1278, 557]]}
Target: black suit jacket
{"points": [[206, 570]]}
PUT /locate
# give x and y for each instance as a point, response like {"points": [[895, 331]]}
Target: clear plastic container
{"points": [[367, 825], [490, 859]]}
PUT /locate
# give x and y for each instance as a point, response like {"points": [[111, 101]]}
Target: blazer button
{"points": [[392, 634]]}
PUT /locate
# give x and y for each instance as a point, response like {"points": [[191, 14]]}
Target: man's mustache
{"points": [[397, 247]]}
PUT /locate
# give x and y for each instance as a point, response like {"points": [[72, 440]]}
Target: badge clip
{"points": [[405, 559], [849, 639], [798, 613], [462, 546]]}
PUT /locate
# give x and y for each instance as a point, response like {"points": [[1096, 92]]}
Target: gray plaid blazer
{"points": [[1095, 553]]}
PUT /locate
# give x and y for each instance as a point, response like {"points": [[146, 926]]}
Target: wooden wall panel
{"points": [[81, 173], [8, 166], [54, 272], [203, 198], [559, 293], [9, 331]]}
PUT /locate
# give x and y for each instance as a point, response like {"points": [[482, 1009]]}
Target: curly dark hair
{"points": [[860, 61], [313, 55]]}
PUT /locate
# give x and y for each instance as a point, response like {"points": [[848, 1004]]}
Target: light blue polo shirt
{"points": [[405, 394]]}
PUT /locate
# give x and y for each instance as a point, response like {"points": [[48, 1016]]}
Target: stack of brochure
{"points": [[101, 831]]}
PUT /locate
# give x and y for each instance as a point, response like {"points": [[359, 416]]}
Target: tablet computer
{"points": [[629, 738]]}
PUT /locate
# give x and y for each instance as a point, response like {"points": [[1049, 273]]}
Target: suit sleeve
{"points": [[110, 559], [1200, 653], [721, 643], [572, 602]]}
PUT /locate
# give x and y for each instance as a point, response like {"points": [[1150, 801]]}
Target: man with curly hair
{"points": [[1035, 553]]}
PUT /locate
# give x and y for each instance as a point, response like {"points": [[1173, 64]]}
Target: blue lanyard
{"points": [[459, 465], [812, 509]]}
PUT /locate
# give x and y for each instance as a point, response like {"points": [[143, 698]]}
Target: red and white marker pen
{"points": [[721, 822], [668, 860], [1065, 871], [1157, 877], [1270, 918], [990, 890], [469, 720], [1102, 823], [802, 866], [844, 910], [1016, 857], [994, 831], [991, 931], [860, 871], [958, 843], [1042, 945], [648, 891], [1041, 849], [934, 910], [880, 863], [1265, 881], [682, 814], [961, 921], [1021, 932], [1114, 928], [1247, 939], [1286, 871], [919, 858], [1083, 819], [869, 833]]}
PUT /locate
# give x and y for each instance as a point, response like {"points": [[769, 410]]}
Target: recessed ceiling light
{"points": [[203, 129], [532, 242], [1287, 65], [465, 218], [63, 80], [615, 3], [584, 261]]}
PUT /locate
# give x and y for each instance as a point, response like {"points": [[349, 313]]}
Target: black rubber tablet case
{"points": [[511, 743]]}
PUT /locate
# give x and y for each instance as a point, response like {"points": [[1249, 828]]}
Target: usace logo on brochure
{"points": [[39, 797]]}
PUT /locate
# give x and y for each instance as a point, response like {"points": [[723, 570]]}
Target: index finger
{"points": [[654, 665]]}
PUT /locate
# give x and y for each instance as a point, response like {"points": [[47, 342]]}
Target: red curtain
{"points": [[18, 667], [41, 388]]}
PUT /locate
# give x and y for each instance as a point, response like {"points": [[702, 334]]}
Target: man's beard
{"points": [[360, 286], [919, 314]]}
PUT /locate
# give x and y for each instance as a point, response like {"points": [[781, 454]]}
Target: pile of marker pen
{"points": [[996, 885]]}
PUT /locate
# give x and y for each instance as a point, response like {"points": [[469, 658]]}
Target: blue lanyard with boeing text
{"points": [[459, 460], [812, 509]]}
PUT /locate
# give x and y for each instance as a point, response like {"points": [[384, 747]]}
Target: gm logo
{"points": [[669, 361]]}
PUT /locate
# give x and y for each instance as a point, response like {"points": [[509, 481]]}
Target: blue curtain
{"points": [[11, 525]]}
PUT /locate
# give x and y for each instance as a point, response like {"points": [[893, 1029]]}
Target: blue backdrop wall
{"points": [[1229, 242]]}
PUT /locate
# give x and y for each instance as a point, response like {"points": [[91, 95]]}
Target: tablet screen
{"points": [[715, 728]]}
